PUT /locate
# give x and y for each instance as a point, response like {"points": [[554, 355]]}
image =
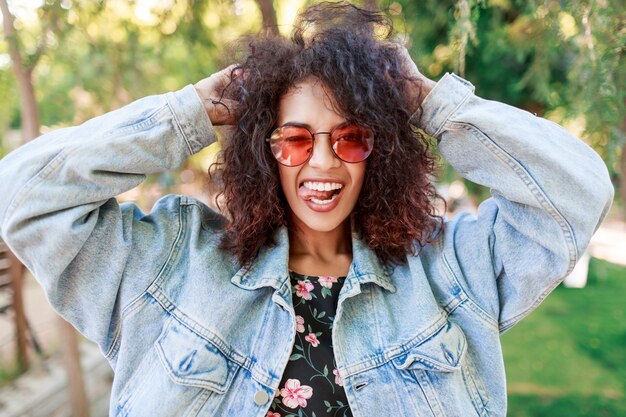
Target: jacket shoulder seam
{"points": [[535, 188], [178, 126], [506, 325], [41, 175], [165, 269], [477, 308]]}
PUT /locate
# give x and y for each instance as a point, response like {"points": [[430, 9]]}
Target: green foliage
{"points": [[7, 89], [562, 59], [567, 357], [8, 372], [559, 59], [95, 56]]}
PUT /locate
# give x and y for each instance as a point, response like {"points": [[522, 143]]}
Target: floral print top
{"points": [[311, 385]]}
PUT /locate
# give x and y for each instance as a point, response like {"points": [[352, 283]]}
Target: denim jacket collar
{"points": [[271, 267]]}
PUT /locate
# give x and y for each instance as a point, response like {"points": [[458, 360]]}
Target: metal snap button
{"points": [[261, 397]]}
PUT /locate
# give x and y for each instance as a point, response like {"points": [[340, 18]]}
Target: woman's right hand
{"points": [[219, 104]]}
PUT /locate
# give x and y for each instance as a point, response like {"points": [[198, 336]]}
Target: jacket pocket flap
{"points": [[192, 360], [442, 352]]}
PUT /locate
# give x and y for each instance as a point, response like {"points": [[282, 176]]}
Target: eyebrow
{"points": [[308, 126]]}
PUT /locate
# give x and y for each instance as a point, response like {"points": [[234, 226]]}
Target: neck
{"points": [[320, 250]]}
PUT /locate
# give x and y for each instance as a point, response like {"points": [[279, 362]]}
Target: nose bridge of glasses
{"points": [[327, 147], [321, 133]]}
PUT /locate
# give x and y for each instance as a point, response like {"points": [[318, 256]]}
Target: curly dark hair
{"points": [[351, 51]]}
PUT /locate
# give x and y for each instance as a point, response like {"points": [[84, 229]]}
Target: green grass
{"points": [[8, 372], [568, 358]]}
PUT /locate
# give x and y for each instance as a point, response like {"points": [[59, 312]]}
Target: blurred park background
{"points": [[63, 62]]}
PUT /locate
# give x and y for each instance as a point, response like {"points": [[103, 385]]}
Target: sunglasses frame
{"points": [[330, 134]]}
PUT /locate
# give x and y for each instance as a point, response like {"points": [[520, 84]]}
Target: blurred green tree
{"points": [[560, 59]]}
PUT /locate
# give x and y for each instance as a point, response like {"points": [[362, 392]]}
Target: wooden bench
{"points": [[5, 278], [11, 273]]}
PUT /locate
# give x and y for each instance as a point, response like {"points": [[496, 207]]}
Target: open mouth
{"points": [[319, 192]]}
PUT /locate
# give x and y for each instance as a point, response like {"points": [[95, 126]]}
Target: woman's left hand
{"points": [[215, 94], [422, 85]]}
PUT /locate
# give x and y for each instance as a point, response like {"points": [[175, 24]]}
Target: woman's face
{"points": [[309, 104]]}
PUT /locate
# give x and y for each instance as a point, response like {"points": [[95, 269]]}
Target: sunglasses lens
{"points": [[352, 143], [291, 145]]}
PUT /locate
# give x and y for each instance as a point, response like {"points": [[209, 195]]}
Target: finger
{"points": [[222, 112]]}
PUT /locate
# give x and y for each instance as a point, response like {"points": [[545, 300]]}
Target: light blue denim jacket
{"points": [[189, 333]]}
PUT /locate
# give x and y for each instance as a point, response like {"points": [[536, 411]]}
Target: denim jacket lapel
{"points": [[271, 269], [366, 267]]}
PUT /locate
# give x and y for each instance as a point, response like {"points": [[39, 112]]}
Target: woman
{"points": [[329, 287]]}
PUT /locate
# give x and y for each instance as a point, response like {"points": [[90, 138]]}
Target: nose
{"points": [[323, 156]]}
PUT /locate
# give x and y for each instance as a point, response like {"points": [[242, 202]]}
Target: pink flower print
{"points": [[303, 289], [338, 380], [295, 395], [300, 324], [327, 281], [270, 414], [312, 339]]}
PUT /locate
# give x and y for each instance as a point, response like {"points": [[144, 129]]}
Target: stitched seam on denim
{"points": [[481, 389], [199, 402], [424, 380], [127, 397], [451, 113], [391, 353], [258, 339], [190, 381], [354, 407], [160, 296], [115, 344], [470, 386], [539, 195], [398, 404], [531, 185], [376, 320], [202, 333], [50, 167], [480, 312], [178, 125], [129, 308], [63, 154], [149, 120], [455, 303], [505, 325], [257, 374], [408, 381]]}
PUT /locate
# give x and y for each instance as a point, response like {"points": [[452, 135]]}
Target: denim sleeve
{"points": [[58, 213], [549, 193]]}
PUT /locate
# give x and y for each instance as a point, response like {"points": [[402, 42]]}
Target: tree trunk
{"points": [[24, 76], [30, 130], [269, 17], [28, 102], [16, 272], [76, 383]]}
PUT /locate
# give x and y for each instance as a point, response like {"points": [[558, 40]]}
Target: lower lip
{"points": [[321, 208]]}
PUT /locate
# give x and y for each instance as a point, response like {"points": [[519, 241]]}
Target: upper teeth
{"points": [[322, 186]]}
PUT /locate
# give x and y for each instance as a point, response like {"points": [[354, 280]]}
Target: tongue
{"points": [[306, 193]]}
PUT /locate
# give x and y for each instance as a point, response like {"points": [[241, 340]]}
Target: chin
{"points": [[320, 224]]}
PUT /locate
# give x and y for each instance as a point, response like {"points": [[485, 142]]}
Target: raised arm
{"points": [[550, 192], [58, 213]]}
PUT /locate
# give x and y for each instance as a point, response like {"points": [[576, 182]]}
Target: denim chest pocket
{"points": [[440, 375], [191, 360], [182, 374]]}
